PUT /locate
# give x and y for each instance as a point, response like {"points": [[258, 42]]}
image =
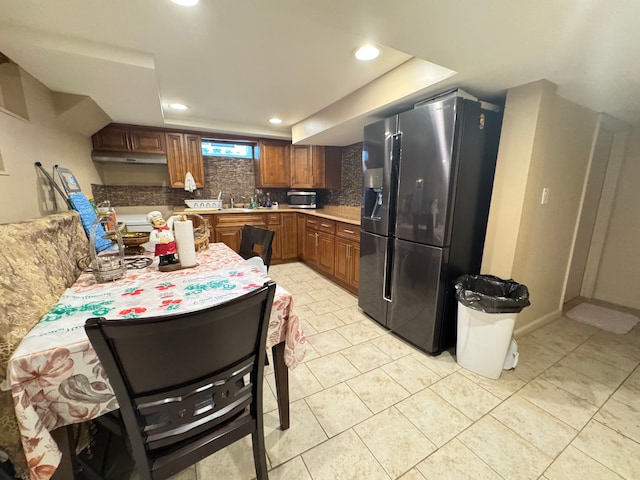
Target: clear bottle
{"points": [[268, 201], [106, 209]]}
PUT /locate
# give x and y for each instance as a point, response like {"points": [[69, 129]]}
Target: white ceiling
{"points": [[237, 63]]}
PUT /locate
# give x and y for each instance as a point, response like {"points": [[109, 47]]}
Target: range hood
{"points": [[129, 157]]}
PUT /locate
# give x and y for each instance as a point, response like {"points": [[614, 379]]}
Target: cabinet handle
{"points": [[348, 252], [349, 231], [325, 225], [316, 240]]}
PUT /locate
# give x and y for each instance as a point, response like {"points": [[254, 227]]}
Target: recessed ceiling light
{"points": [[275, 121], [367, 52], [185, 3], [178, 106]]}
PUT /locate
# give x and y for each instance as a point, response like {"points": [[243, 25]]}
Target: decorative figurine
{"points": [[165, 242]]}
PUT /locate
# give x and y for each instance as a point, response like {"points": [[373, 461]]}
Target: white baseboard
{"points": [[540, 322]]}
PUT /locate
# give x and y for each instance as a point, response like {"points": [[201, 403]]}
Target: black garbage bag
{"points": [[491, 294]]}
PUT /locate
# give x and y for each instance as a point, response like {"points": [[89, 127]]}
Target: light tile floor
{"points": [[366, 405]]}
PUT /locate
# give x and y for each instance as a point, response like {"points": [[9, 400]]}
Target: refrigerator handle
{"points": [[394, 163], [388, 266]]}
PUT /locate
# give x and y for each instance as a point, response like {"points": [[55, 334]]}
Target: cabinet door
{"points": [[117, 138], [175, 152], [311, 247], [278, 240], [147, 141], [211, 222], [289, 236], [354, 255], [326, 252], [273, 166], [342, 265], [327, 167], [193, 160], [230, 236], [301, 235], [114, 139], [184, 154], [302, 170]]}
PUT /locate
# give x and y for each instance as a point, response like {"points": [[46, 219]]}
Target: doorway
{"points": [[600, 187]]}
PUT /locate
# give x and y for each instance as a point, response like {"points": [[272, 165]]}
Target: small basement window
{"points": [[222, 149]]}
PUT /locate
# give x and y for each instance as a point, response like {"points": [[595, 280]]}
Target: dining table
{"points": [[56, 378]]}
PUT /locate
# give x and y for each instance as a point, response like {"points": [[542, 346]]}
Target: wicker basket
{"points": [[200, 230]]}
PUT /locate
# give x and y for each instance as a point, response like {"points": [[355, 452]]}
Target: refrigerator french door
{"points": [[377, 219]]}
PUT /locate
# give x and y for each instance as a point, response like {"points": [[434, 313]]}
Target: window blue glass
{"points": [[233, 150]]}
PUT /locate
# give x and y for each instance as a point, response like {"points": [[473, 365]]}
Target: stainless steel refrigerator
{"points": [[428, 175]]}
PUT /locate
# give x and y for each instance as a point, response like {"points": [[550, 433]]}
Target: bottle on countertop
{"points": [[268, 201]]}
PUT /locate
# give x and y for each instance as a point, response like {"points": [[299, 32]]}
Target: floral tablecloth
{"points": [[55, 376]]}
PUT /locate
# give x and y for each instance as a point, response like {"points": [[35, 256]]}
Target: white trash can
{"points": [[484, 339], [487, 311]]}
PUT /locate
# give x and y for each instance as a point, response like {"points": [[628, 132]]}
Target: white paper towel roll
{"points": [[185, 243]]}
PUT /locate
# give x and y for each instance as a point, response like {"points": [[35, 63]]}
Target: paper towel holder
{"points": [[185, 241]]}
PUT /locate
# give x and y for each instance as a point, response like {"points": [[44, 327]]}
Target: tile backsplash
{"points": [[234, 177]]}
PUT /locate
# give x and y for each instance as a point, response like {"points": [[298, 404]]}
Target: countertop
{"points": [[344, 214]]}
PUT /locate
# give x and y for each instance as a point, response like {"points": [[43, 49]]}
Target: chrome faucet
{"points": [[231, 202]]}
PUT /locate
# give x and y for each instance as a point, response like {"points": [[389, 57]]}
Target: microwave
{"points": [[297, 199]]}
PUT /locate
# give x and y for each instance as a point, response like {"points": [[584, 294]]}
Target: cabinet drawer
{"points": [[239, 219], [321, 224], [346, 230], [328, 226], [273, 219], [312, 222]]}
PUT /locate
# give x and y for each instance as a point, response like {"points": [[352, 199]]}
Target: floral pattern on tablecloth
{"points": [[55, 376]]}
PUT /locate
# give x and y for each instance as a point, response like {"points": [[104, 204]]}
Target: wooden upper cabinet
{"points": [[315, 166], [147, 141], [116, 138], [184, 154], [273, 164], [301, 166]]}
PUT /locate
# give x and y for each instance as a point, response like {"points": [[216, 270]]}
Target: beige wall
{"points": [[546, 142], [618, 279], [41, 138]]}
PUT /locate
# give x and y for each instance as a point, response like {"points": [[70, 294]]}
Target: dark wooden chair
{"points": [[256, 242], [188, 384]]}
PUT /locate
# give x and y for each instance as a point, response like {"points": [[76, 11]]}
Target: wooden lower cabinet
{"points": [[228, 227], [347, 256], [289, 236], [302, 234], [230, 236], [320, 244], [328, 246], [311, 247], [347, 263], [320, 251], [274, 223], [326, 252]]}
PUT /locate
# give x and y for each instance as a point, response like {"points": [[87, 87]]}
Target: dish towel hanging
{"points": [[189, 182]]}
